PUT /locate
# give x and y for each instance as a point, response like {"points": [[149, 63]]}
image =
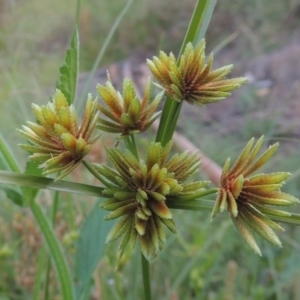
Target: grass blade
{"points": [[101, 53], [48, 183], [199, 22]]}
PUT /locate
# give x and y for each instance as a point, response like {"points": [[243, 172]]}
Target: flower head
{"points": [[138, 192], [56, 141], [127, 113], [247, 198], [191, 79]]}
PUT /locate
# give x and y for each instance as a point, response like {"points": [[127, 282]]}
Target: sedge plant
{"points": [[140, 191]]}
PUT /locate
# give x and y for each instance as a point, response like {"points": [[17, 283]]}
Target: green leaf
{"points": [[68, 71], [207, 10], [89, 250], [49, 183], [13, 195]]}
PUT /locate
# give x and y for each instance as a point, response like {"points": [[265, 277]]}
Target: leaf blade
{"points": [[69, 70]]}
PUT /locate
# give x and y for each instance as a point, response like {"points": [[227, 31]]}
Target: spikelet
{"points": [[247, 197]]}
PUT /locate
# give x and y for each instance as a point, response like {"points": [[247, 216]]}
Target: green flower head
{"points": [[126, 114], [138, 192], [56, 141], [248, 197], [191, 79]]}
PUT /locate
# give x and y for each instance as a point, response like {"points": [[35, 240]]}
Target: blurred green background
{"points": [[206, 260]]}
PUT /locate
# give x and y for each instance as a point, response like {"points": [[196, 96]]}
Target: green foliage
{"points": [[48, 183], [13, 194]]}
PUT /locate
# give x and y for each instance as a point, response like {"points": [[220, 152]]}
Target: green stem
{"points": [[195, 195], [132, 138], [192, 205], [172, 108], [196, 30], [48, 267], [91, 169], [55, 207], [55, 251], [199, 22], [131, 145], [40, 271], [146, 277], [168, 121], [9, 158]]}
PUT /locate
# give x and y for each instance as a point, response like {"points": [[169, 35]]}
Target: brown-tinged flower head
{"points": [[191, 79], [126, 112], [247, 197], [56, 141], [138, 192]]}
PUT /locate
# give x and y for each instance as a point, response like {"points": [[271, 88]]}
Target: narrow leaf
{"points": [[49, 183], [90, 248], [68, 71]]}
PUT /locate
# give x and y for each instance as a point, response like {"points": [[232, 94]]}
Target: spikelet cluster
{"points": [[126, 114], [248, 197], [56, 141], [190, 78], [138, 193]]}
